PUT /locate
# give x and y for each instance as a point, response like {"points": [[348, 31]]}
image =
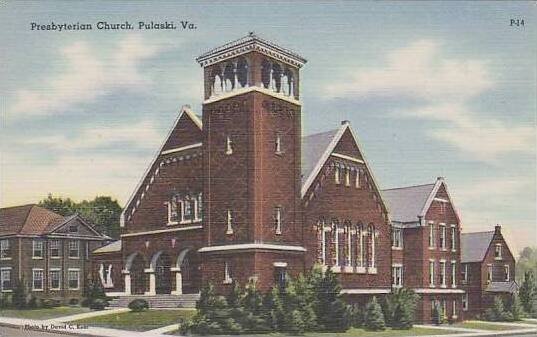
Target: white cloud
{"points": [[445, 85], [86, 77]]}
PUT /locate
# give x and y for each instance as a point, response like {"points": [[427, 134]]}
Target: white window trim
{"points": [[347, 177], [34, 243], [348, 266], [229, 222], [357, 182], [69, 278], [59, 249], [507, 271], [489, 273], [77, 250], [443, 274], [453, 274], [229, 147], [278, 218], [432, 237], [336, 267], [59, 281], [443, 233], [465, 302], [3, 248], [465, 273], [337, 178], [278, 145], [227, 274], [400, 239], [2, 269], [453, 238], [432, 273], [34, 279], [395, 268], [496, 246], [169, 206]]}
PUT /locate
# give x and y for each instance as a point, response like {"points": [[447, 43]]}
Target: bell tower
{"points": [[251, 149]]}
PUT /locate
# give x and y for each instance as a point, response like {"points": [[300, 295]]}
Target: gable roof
{"points": [[112, 247], [474, 246], [410, 204], [320, 146], [502, 287], [406, 203], [185, 110], [35, 220]]}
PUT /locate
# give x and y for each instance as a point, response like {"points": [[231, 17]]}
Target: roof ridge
{"points": [[19, 206], [319, 133], [481, 232], [411, 186]]}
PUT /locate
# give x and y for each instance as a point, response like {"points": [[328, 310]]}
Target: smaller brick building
{"points": [[48, 252], [487, 270]]}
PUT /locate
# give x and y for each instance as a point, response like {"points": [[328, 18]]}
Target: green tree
{"points": [[331, 311], [527, 292], [252, 319], [62, 206], [515, 307], [374, 318], [404, 305], [497, 311]]}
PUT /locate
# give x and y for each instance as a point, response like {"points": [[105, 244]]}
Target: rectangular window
{"points": [[54, 247], [5, 251], [347, 177], [54, 276], [454, 309], [73, 278], [357, 179], [506, 270], [228, 278], [453, 274], [431, 273], [278, 144], [442, 273], [229, 222], [189, 207], [498, 251], [453, 238], [336, 175], [465, 273], [73, 249], [397, 276], [432, 244], [465, 302], [443, 237], [37, 279], [73, 229], [397, 238], [489, 273], [444, 309], [174, 211], [5, 279], [278, 219], [37, 249]]}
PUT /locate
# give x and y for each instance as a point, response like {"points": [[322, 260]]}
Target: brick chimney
{"points": [[498, 229], [345, 122]]}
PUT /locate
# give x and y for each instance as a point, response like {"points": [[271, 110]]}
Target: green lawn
{"points": [[139, 321], [353, 332], [485, 326], [42, 313]]}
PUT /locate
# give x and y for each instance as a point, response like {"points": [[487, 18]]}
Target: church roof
{"points": [[112, 247], [474, 246], [313, 147], [248, 44], [406, 203]]}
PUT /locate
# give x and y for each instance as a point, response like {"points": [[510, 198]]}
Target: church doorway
{"points": [[190, 266], [163, 274], [138, 277]]}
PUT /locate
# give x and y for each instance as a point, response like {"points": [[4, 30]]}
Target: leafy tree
{"points": [[515, 307], [103, 212], [274, 309], [374, 319], [252, 319], [527, 292]]}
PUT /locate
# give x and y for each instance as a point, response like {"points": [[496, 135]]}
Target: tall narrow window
{"points": [[37, 279], [228, 278], [431, 236], [37, 249], [506, 270], [347, 177], [5, 279], [453, 238], [349, 246], [73, 277], [336, 175], [278, 219], [453, 274], [397, 238], [278, 144], [229, 145], [465, 302], [465, 273], [229, 221], [454, 309], [431, 273], [5, 251], [489, 273], [54, 277], [357, 182], [361, 252], [54, 246], [443, 274], [336, 244], [444, 308], [323, 244], [498, 251], [372, 252], [397, 276], [74, 251], [443, 236]]}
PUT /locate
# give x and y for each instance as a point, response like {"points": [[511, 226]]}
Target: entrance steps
{"points": [[158, 301]]}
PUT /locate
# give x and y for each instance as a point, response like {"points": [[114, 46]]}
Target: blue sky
{"points": [[432, 89]]}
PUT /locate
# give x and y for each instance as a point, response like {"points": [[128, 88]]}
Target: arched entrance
{"points": [[188, 272], [135, 267], [163, 274]]}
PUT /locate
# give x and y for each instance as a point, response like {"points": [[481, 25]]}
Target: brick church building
{"points": [[240, 194]]}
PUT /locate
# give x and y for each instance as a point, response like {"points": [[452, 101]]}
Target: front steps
{"points": [[158, 301]]}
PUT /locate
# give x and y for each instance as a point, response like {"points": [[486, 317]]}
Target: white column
{"points": [[128, 290], [152, 282], [178, 281]]}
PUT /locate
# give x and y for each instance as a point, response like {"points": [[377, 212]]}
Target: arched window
{"points": [[360, 252], [321, 239], [242, 72], [371, 261], [287, 82], [349, 244], [276, 80], [229, 77], [266, 72], [217, 83]]}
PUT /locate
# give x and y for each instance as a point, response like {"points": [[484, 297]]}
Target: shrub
{"points": [[32, 303], [357, 314], [49, 303], [374, 319], [18, 298], [515, 308], [4, 301], [73, 301], [331, 311], [98, 304], [497, 311], [403, 301], [93, 292], [138, 305], [528, 293]]}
